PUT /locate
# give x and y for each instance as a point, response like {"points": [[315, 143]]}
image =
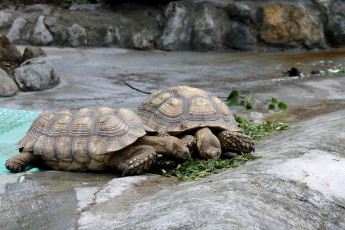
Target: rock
{"points": [[8, 87], [239, 37], [41, 35], [209, 26], [177, 28], [290, 26], [240, 12], [85, 7], [36, 74], [8, 51], [76, 35], [5, 19], [33, 52], [15, 31], [336, 29]]}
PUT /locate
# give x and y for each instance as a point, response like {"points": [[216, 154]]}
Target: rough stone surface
{"points": [[239, 37], [297, 184], [8, 87], [36, 74], [15, 31], [41, 35], [8, 51], [76, 35], [290, 26], [33, 52], [336, 28], [182, 25], [177, 29], [210, 24], [5, 19]]}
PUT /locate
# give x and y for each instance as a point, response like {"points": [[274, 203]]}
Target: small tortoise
{"points": [[184, 109], [106, 139]]}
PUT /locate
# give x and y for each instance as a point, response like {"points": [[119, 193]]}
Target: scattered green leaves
{"points": [[261, 131], [271, 106], [326, 73], [274, 100], [233, 99], [196, 169], [281, 105]]}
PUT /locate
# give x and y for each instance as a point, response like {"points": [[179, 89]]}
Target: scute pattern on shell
{"points": [[182, 108], [81, 141]]}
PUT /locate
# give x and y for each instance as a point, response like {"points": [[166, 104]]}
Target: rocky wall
{"points": [[182, 25]]}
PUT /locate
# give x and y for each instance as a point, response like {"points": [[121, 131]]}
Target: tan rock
{"points": [[8, 51], [8, 87], [291, 26]]}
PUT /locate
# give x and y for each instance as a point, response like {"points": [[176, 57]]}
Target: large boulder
{"points": [[177, 29], [210, 24], [5, 19], [239, 37], [41, 35], [15, 33], [76, 35], [8, 87], [336, 28], [291, 26], [36, 74], [8, 51]]}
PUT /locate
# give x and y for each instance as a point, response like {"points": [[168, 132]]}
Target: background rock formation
{"points": [[181, 25]]}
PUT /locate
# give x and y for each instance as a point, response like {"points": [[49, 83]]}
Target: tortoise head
{"points": [[176, 149]]}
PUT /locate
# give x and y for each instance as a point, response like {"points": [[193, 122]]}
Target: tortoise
{"points": [[103, 140], [182, 109]]}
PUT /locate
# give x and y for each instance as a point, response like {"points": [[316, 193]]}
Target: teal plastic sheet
{"points": [[13, 126]]}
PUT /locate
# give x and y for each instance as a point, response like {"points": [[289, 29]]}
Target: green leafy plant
{"points": [[261, 131], [327, 73], [233, 100], [281, 105], [196, 169]]}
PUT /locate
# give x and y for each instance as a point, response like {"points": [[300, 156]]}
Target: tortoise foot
{"points": [[138, 159], [236, 141], [18, 162], [14, 167]]}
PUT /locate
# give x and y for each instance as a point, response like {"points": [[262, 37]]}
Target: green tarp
{"points": [[13, 126]]}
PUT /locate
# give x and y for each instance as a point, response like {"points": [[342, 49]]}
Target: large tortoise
{"points": [[105, 139], [184, 109]]}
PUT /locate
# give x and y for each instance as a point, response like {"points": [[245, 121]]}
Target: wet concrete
{"points": [[95, 77], [296, 185]]}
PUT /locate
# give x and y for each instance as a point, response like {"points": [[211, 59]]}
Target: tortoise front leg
{"points": [[236, 141], [18, 162], [133, 160], [208, 144], [189, 141]]}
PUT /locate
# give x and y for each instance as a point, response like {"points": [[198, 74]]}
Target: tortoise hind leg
{"points": [[133, 160], [208, 144], [18, 162], [236, 141]]}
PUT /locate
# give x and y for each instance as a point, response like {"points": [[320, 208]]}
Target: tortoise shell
{"points": [[184, 108], [83, 140]]}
